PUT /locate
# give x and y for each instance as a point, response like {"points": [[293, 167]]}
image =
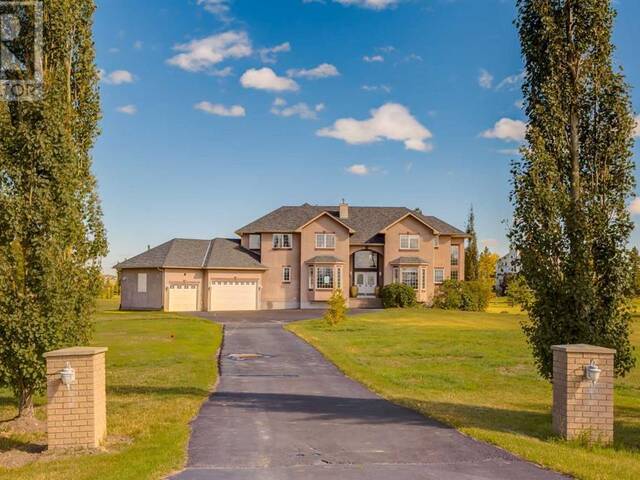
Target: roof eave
{"points": [[435, 231]]}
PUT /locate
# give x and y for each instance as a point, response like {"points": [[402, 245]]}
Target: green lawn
{"points": [[474, 371], [160, 368]]}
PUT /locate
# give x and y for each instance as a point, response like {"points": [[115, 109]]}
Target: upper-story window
{"points": [[282, 240], [409, 242], [254, 241], [455, 255], [326, 240], [436, 241]]}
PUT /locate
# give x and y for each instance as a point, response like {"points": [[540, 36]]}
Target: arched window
{"points": [[365, 259]]}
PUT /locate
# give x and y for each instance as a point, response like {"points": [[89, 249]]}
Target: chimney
{"points": [[344, 210]]}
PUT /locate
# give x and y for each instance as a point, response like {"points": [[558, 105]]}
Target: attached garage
{"points": [[183, 298], [227, 295]]}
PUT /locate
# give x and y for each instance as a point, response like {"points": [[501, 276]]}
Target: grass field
{"points": [[160, 367], [474, 372]]}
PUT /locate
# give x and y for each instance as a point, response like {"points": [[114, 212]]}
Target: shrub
{"points": [[472, 296], [337, 311], [397, 295], [519, 292]]}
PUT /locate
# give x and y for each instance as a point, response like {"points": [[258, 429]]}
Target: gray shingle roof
{"points": [[366, 221], [409, 261], [227, 253], [325, 259], [187, 253]]}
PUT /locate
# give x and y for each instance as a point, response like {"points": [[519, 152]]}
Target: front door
{"points": [[366, 282]]}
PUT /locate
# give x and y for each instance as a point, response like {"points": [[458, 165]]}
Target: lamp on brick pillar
{"points": [[76, 397], [583, 392]]}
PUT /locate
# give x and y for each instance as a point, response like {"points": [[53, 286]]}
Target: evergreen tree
{"points": [[471, 265], [572, 183], [51, 232]]}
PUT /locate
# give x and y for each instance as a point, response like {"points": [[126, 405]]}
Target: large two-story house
{"points": [[294, 257]]}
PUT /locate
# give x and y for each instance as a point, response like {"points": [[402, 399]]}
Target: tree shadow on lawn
{"points": [[520, 422]]}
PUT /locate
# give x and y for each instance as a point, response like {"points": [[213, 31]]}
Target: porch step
{"points": [[365, 302]]}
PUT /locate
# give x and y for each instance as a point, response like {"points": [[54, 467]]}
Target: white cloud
{"points": [[358, 169], [491, 243], [373, 58], [301, 109], [220, 8], [221, 110], [114, 50], [511, 81], [371, 4], [636, 131], [508, 130], [391, 121], [117, 77], [634, 207], [270, 54], [203, 53], [266, 79], [519, 103], [387, 48], [375, 88], [138, 44], [323, 70], [485, 80], [128, 109], [413, 57]]}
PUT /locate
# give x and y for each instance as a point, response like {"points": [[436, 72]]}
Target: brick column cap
{"points": [[76, 352], [582, 348]]}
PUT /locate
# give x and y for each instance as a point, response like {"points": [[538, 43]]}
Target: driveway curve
{"points": [[287, 413]]}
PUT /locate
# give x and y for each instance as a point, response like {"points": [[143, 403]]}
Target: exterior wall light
{"points": [[67, 376], [592, 372]]}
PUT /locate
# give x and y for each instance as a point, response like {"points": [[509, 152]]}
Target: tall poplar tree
{"points": [[471, 259], [571, 186], [51, 233]]}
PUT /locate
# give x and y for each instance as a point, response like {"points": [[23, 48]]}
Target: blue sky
{"points": [[218, 111]]}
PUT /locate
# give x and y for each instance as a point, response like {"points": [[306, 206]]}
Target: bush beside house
{"points": [[397, 295], [472, 296]]}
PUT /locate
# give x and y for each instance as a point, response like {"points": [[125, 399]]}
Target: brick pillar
{"points": [[579, 407], [76, 416]]}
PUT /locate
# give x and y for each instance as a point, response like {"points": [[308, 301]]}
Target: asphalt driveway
{"points": [[290, 414]]}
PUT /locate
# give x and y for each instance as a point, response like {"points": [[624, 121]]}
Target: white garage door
{"points": [[183, 298], [233, 295]]}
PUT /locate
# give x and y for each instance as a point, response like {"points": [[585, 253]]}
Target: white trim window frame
{"points": [[253, 238], [455, 255], [286, 274], [142, 283], [409, 276], [312, 276], [325, 241], [438, 275], [325, 278], [282, 241], [396, 275], [409, 241]]}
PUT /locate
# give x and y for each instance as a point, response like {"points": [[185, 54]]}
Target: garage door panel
{"points": [[228, 295], [183, 298]]}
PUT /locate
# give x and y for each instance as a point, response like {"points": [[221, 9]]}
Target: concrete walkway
{"points": [[292, 415]]}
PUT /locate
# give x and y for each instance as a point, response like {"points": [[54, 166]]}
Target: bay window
{"points": [[409, 277], [324, 278]]}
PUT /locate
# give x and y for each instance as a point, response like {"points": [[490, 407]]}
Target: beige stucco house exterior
{"points": [[294, 257]]}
